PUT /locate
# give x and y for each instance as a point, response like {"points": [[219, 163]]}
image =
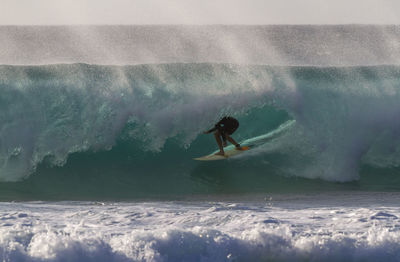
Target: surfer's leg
{"points": [[223, 136], [230, 139], [217, 136]]}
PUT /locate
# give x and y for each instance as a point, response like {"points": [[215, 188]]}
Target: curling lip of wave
{"points": [[344, 116]]}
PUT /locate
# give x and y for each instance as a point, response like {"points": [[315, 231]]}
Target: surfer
{"points": [[225, 128]]}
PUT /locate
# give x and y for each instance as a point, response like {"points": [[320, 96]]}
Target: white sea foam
{"points": [[199, 231]]}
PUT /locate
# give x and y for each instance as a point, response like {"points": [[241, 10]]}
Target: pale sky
{"points": [[56, 12]]}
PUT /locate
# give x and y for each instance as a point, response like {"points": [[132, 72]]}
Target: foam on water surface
{"points": [[283, 228]]}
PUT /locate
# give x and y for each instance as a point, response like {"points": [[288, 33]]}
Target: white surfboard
{"points": [[228, 153]]}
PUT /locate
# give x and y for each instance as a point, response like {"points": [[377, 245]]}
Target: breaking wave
{"points": [[143, 124]]}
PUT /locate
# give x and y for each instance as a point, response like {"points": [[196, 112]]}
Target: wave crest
{"points": [[344, 116]]}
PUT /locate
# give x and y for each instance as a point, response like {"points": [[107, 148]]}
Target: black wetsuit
{"points": [[227, 125]]}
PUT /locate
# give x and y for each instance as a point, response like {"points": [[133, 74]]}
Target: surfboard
{"points": [[250, 143], [228, 153]]}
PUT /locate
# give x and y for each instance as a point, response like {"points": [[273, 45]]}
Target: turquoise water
{"points": [[125, 132]]}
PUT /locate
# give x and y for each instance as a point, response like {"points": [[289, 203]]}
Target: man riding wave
{"points": [[225, 128]]}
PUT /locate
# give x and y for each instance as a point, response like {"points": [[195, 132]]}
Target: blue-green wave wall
{"points": [[90, 131]]}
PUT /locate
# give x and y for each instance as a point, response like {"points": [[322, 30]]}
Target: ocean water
{"points": [[99, 128]]}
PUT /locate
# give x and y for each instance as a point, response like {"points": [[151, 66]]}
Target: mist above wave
{"points": [[338, 45]]}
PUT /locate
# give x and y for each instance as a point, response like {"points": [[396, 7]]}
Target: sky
{"points": [[58, 12]]}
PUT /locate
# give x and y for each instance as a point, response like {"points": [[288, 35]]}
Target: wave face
{"points": [[123, 131]]}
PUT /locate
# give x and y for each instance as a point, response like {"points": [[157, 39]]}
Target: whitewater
{"points": [[99, 127], [281, 229]]}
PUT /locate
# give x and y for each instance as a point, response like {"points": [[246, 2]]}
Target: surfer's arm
{"points": [[216, 127], [211, 130]]}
